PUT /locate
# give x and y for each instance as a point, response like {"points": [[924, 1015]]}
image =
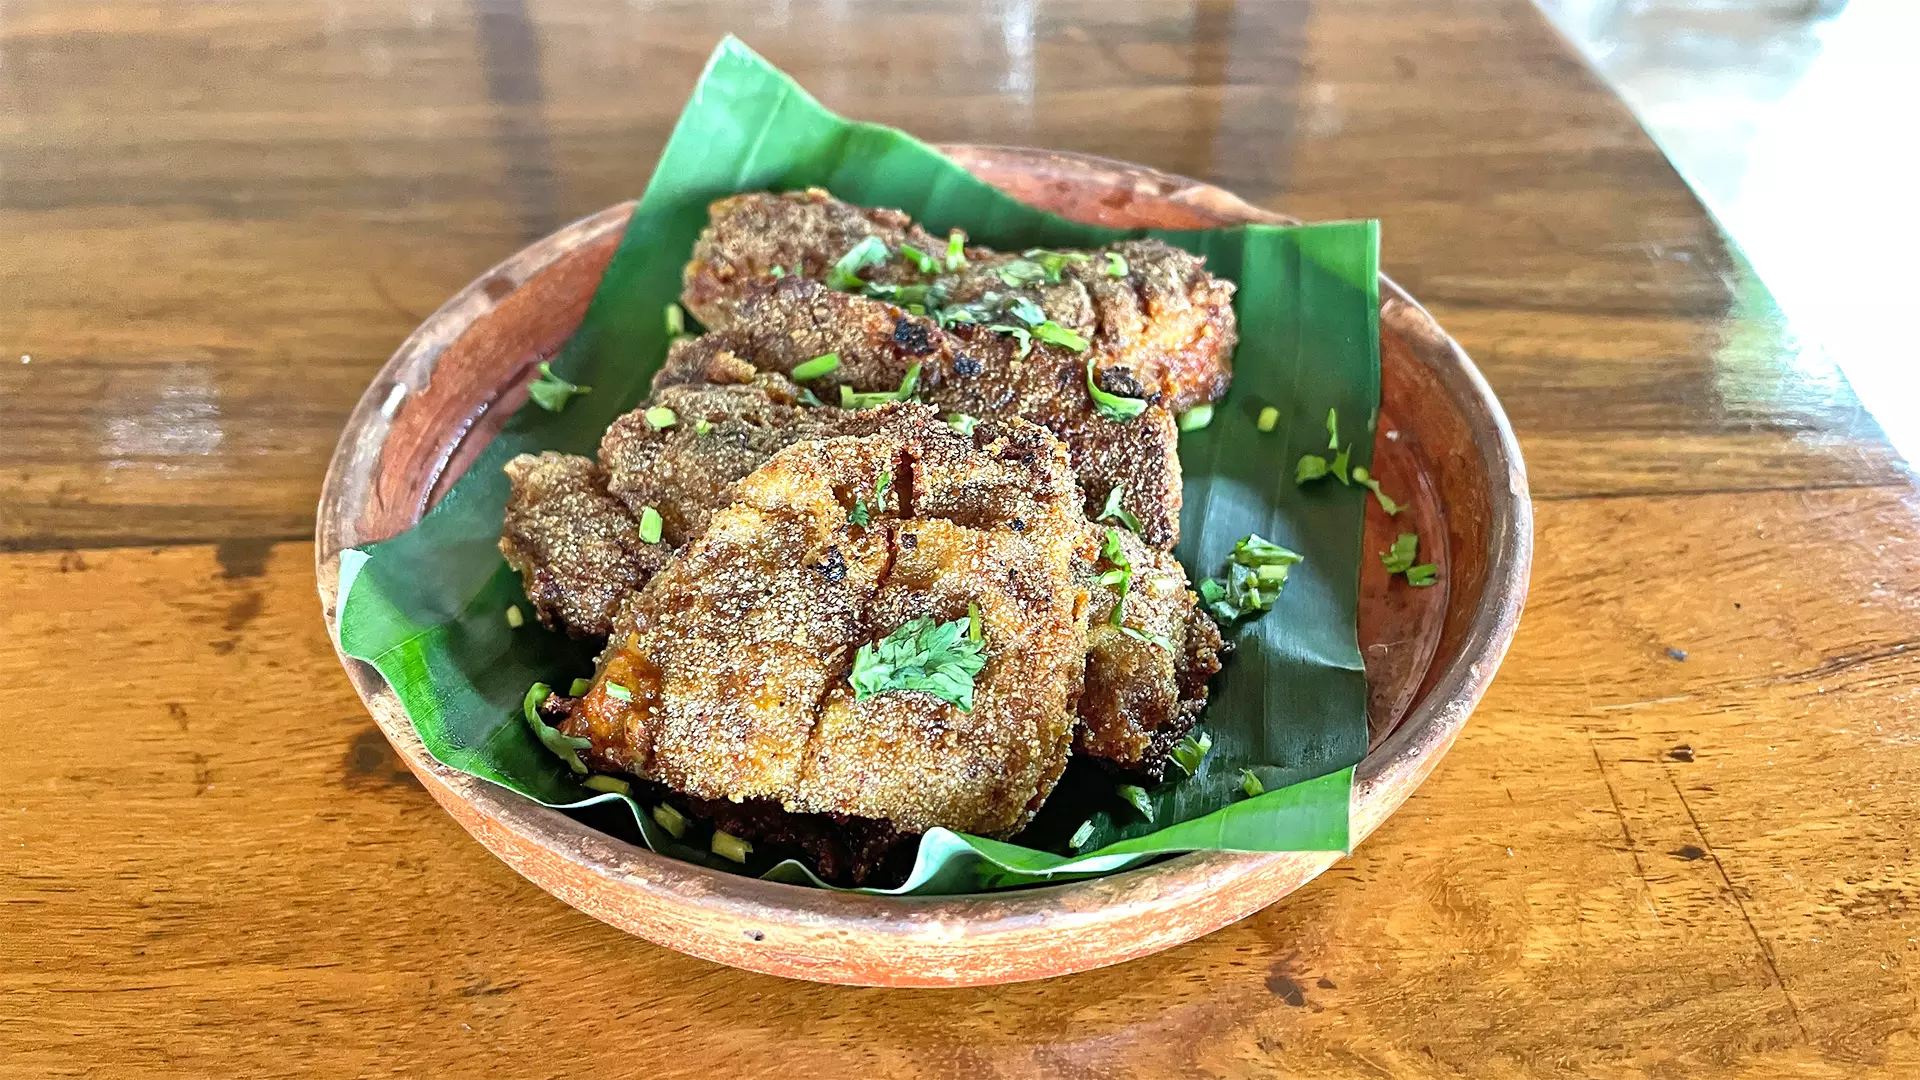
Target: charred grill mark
{"points": [[833, 567], [966, 364], [912, 337]]}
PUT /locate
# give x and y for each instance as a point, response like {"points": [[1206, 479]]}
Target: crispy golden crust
{"points": [[576, 547], [1149, 310], [1146, 689], [965, 369], [738, 653]]}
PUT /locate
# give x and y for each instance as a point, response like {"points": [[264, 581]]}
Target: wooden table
{"points": [[1677, 839]]}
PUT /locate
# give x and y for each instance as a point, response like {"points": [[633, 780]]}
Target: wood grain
{"points": [[217, 220]]}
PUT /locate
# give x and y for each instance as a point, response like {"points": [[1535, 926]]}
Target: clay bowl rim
{"points": [[918, 932]]}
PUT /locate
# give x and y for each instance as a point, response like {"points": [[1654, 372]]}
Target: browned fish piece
{"points": [[733, 667], [577, 548]]}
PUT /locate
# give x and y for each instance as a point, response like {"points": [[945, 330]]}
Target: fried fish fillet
{"points": [[1148, 309], [972, 370], [732, 667], [577, 548]]}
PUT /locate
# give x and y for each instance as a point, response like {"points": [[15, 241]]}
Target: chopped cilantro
{"points": [[1116, 264], [815, 367], [1136, 796], [861, 514], [933, 657], [1251, 784], [1196, 418], [852, 399], [1190, 751], [1269, 419], [1112, 406], [1117, 512], [565, 747], [551, 392], [921, 260], [845, 273], [650, 525]]}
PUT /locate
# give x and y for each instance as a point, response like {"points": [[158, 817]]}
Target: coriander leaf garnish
{"points": [[933, 657], [921, 260], [1112, 406], [1365, 480], [845, 273], [1120, 578], [1054, 334], [565, 747], [1270, 419], [1117, 512], [1311, 467], [956, 250], [1400, 556], [962, 423], [1136, 796], [1116, 264], [551, 392], [660, 417], [1081, 835], [618, 692], [1251, 784], [861, 514], [1256, 572], [816, 367], [852, 399], [650, 525], [1190, 751], [1021, 272], [1196, 418]]}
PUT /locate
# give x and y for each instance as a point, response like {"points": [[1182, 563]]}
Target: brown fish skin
{"points": [[577, 548]]}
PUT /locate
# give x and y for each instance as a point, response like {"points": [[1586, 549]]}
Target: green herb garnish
{"points": [[1190, 751], [921, 260], [1116, 264], [1120, 578], [845, 273], [1119, 513], [1251, 784], [612, 785], [1365, 480], [852, 399], [676, 321], [973, 621], [962, 423], [1269, 419], [861, 514], [515, 620], [660, 418], [1400, 556], [1112, 406], [1333, 429], [551, 392], [1339, 467], [565, 747], [1021, 272], [701, 427], [1256, 572], [815, 367], [728, 846], [580, 686], [1136, 796], [1054, 334], [671, 820], [1081, 835], [1196, 418], [808, 397], [649, 525], [1423, 575], [956, 250], [933, 657], [1053, 262], [618, 692], [1150, 638], [1019, 333], [1311, 467]]}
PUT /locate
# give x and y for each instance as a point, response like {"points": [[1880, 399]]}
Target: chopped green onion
{"points": [[1112, 406], [515, 620], [1196, 418], [1423, 575], [701, 427], [1022, 272], [676, 321], [778, 271], [1190, 751], [1333, 429], [671, 820], [580, 686], [921, 260], [649, 525], [618, 692], [1019, 333], [852, 399], [962, 423], [845, 273], [956, 250], [807, 397], [728, 846], [1081, 835], [551, 392], [1116, 264], [660, 418], [1114, 552], [1150, 638], [1400, 556], [612, 785], [1117, 512], [1054, 334], [1055, 261], [936, 658], [1311, 467], [1136, 796], [1251, 784], [1269, 419], [1365, 480], [815, 367], [1256, 572], [973, 621], [1026, 311], [566, 747], [1339, 467]]}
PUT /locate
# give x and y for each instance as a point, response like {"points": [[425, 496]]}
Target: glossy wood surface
{"points": [[217, 221]]}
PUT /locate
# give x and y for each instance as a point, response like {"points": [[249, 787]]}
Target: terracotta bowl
{"points": [[1430, 653]]}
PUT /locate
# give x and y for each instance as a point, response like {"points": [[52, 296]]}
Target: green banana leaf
{"points": [[426, 608]]}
